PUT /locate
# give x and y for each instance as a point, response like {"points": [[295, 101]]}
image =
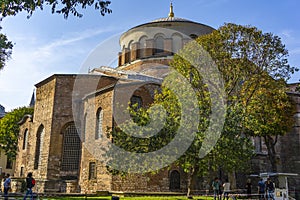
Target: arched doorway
{"points": [[174, 181]]}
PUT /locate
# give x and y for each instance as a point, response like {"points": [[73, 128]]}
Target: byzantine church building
{"points": [[72, 113]]}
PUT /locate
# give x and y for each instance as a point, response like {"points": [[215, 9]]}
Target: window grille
{"points": [[92, 170], [71, 149]]}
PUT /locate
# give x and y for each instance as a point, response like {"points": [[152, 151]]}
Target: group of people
{"points": [[216, 185], [30, 183], [265, 189]]}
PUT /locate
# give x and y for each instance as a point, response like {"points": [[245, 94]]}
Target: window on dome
{"points": [[159, 44], [142, 49], [176, 43]]}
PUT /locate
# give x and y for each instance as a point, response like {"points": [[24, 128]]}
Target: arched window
{"points": [[129, 49], [136, 102], [142, 46], [25, 139], [71, 148], [99, 123], [174, 181], [159, 44], [38, 146], [176, 43]]}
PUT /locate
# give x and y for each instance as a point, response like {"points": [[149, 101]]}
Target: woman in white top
{"points": [[226, 187]]}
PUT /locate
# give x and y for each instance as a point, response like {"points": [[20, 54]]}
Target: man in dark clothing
{"points": [[261, 189], [7, 184], [270, 189], [30, 182], [216, 188]]}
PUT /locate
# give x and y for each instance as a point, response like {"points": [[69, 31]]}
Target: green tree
{"points": [[255, 69], [269, 114], [9, 130]]}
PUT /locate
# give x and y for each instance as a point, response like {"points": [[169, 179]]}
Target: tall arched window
{"points": [[130, 49], [142, 46], [71, 148], [176, 43], [99, 123], [25, 139], [159, 44], [38, 146], [175, 180]]}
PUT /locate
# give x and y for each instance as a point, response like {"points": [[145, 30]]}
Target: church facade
{"points": [[54, 143]]}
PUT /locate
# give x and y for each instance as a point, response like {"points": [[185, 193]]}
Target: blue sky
{"points": [[48, 44]]}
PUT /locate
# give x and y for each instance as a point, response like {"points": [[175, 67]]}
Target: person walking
{"points": [[270, 189], [7, 185], [248, 187], [30, 182], [261, 189], [216, 188], [226, 187]]}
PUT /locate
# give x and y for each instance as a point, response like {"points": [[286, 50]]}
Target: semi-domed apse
{"points": [[157, 40]]}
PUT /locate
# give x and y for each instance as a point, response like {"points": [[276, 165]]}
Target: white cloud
{"points": [[33, 60]]}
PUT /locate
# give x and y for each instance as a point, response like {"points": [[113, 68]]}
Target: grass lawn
{"points": [[126, 198]]}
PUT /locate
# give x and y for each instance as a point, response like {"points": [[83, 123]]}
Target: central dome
{"points": [[171, 19], [158, 39]]}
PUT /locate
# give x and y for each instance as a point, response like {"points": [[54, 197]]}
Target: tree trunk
{"points": [[232, 180], [270, 143], [192, 177]]}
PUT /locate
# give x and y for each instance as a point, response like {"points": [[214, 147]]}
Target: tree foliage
{"points": [[65, 7], [5, 49], [255, 70], [9, 130]]}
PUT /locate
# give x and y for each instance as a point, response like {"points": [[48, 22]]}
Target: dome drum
{"points": [[159, 38]]}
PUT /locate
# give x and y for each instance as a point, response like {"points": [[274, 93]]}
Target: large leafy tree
{"points": [[255, 70], [9, 130], [64, 7]]}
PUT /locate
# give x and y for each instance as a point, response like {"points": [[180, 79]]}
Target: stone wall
{"points": [[93, 148]]}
